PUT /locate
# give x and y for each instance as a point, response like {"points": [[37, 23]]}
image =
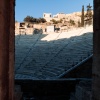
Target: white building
{"points": [[66, 17], [47, 16], [59, 15], [50, 28]]}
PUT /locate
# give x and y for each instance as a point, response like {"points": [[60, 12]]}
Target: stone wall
{"points": [[28, 30], [96, 52], [7, 25]]}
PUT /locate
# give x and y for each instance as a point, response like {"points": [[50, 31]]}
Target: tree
{"points": [[72, 22], [34, 20], [42, 20], [28, 19], [56, 21], [89, 15], [82, 17]]}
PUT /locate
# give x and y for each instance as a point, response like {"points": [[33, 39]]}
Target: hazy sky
{"points": [[36, 8]]}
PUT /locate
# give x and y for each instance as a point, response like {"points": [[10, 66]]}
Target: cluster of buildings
{"points": [[28, 28], [24, 28], [76, 16], [58, 16]]}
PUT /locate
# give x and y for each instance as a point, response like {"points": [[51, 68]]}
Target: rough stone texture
{"points": [[96, 51], [11, 49], [6, 49]]}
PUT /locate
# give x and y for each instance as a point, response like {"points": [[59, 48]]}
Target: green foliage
{"points": [[82, 17], [42, 20], [72, 22], [89, 15], [34, 20], [56, 22]]}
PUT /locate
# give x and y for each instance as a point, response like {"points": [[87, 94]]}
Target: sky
{"points": [[36, 8]]}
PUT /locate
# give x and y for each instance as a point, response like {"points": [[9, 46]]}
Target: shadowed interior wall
{"points": [[7, 24], [96, 52]]}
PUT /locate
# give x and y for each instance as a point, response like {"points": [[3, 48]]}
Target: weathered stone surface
{"points": [[96, 52], [7, 49]]}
